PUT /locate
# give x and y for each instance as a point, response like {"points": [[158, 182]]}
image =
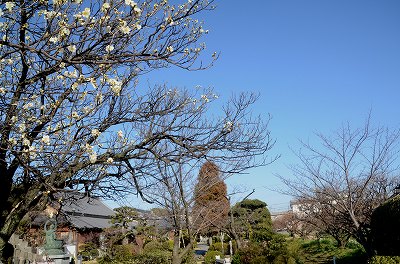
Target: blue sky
{"points": [[316, 64]]}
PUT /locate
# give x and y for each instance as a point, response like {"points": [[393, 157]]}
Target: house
{"points": [[80, 219]]}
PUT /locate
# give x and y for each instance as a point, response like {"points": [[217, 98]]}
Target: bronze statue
{"points": [[53, 246]]}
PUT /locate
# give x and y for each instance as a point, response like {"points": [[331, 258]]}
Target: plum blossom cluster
{"points": [[58, 35], [228, 126]]}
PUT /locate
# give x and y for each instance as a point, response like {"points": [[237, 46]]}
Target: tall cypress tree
{"points": [[211, 208]]}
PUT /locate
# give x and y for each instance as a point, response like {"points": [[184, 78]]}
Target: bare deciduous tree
{"points": [[236, 142], [342, 181]]}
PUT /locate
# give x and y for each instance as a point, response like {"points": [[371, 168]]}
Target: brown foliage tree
{"points": [[211, 207]]}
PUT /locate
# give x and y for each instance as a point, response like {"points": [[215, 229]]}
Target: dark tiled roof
{"points": [[80, 212], [87, 212]]}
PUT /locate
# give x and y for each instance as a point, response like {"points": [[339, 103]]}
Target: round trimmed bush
{"points": [[385, 231], [209, 258]]}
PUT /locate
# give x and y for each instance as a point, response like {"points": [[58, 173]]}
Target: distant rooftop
{"points": [[80, 212], [87, 212]]}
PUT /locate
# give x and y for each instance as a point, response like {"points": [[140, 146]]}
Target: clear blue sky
{"points": [[315, 63]]}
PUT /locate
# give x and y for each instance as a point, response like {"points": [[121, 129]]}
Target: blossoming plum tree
{"points": [[73, 115]]}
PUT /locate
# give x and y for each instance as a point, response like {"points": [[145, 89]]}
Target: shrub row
{"points": [[385, 260]]}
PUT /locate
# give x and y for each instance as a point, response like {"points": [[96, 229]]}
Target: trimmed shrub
{"points": [[89, 251], [248, 253], [385, 260], [189, 258], [236, 259], [123, 252], [385, 231], [155, 245], [259, 259], [218, 247], [209, 258], [154, 257]]}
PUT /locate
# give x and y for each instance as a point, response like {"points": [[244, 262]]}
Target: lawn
{"points": [[322, 251]]}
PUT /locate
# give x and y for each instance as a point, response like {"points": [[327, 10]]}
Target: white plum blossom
{"points": [[32, 152], [3, 90], [228, 126], [105, 6], [99, 98], [115, 86], [75, 115], [72, 48], [54, 39], [109, 48], [170, 49], [27, 106], [71, 74], [50, 14], [93, 157], [59, 2], [10, 6], [130, 3], [26, 142], [110, 160], [120, 134], [64, 31], [95, 133], [137, 10], [86, 12], [205, 98], [12, 141], [88, 148], [124, 28], [46, 139], [21, 127]]}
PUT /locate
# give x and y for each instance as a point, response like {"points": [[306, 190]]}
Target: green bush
{"points": [[122, 252], [385, 260], [89, 251], [385, 231], [109, 260], [218, 247], [249, 252], [286, 260], [154, 257], [259, 259], [155, 245], [320, 245], [189, 258], [353, 244], [209, 258], [236, 259]]}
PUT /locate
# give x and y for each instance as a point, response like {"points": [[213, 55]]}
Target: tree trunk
{"points": [[365, 241], [175, 251], [232, 231], [13, 217], [178, 254], [7, 228], [6, 249]]}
